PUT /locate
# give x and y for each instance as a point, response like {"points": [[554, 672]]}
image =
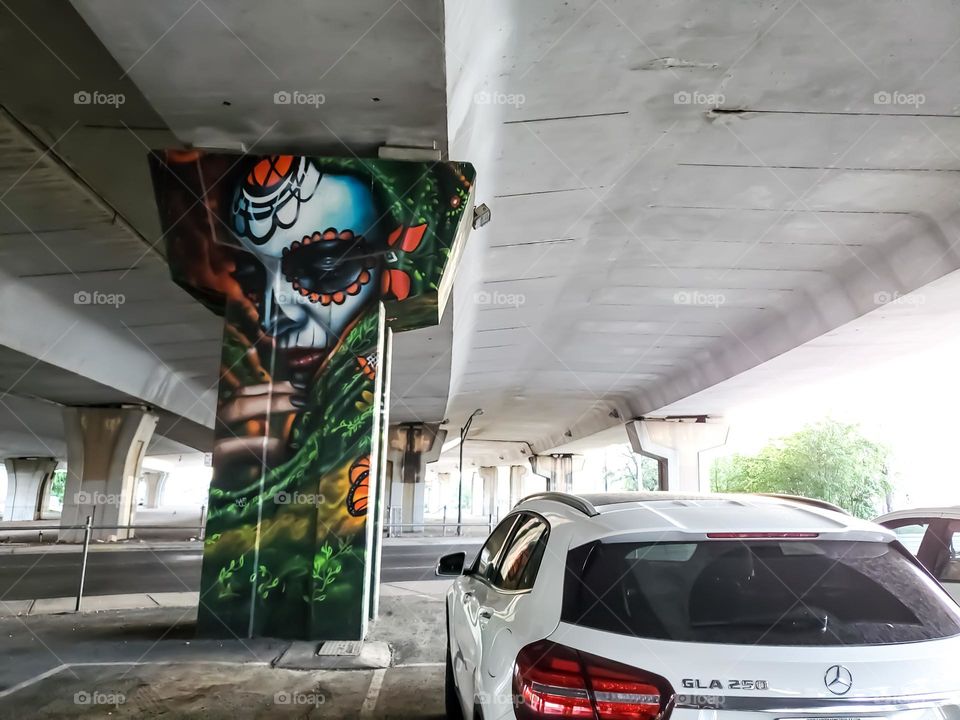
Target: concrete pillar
{"points": [[105, 448], [557, 469], [517, 473], [28, 487], [476, 494], [488, 476], [154, 481], [679, 443], [412, 446]]}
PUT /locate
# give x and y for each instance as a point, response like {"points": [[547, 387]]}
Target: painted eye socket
{"points": [[271, 194], [268, 173]]}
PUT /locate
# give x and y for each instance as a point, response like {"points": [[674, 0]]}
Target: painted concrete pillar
{"points": [[679, 443], [105, 449], [312, 262], [28, 487], [517, 473], [488, 478], [153, 480]]}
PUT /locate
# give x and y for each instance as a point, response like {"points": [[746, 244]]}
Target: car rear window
{"points": [[762, 592]]}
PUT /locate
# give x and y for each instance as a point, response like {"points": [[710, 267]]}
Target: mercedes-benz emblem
{"points": [[838, 680]]}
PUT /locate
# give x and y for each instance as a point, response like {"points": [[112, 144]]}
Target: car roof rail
{"points": [[813, 502], [577, 503]]}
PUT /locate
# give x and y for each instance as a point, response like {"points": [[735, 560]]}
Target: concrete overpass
{"points": [[691, 204]]}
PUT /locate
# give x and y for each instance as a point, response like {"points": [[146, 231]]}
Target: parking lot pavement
{"points": [[224, 691], [147, 663]]}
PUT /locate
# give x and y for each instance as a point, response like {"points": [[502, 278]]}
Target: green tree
{"points": [[829, 461], [626, 470], [59, 485]]}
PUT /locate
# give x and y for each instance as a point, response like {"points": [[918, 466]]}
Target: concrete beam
{"points": [[679, 444]]}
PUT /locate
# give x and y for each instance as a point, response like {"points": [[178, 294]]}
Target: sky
{"points": [[909, 403]]}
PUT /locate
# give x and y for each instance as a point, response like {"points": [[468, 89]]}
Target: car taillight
{"points": [[555, 681]]}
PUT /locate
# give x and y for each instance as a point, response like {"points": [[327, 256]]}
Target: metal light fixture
{"points": [[463, 438]]}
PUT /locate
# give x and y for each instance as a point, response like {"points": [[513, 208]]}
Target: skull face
{"points": [[317, 236]]}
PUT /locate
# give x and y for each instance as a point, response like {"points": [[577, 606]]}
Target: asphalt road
{"points": [[28, 576]]}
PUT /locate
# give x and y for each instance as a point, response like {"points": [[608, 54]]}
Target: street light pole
{"points": [[463, 438]]}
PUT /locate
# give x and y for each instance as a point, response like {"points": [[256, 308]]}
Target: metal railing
{"points": [[88, 527], [392, 525]]}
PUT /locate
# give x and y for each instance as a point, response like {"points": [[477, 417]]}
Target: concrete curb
{"points": [[57, 549], [98, 603], [428, 589], [421, 541]]}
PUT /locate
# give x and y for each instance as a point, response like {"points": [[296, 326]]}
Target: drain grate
{"points": [[340, 647]]}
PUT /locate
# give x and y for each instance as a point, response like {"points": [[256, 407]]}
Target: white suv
{"points": [[651, 606]]}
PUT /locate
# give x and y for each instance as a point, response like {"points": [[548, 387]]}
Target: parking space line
{"points": [[37, 678], [370, 702]]}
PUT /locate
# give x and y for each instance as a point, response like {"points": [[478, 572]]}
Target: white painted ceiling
{"points": [[785, 205], [786, 201]]}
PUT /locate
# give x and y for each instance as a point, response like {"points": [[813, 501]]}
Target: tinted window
{"points": [[485, 564], [756, 592], [522, 559]]}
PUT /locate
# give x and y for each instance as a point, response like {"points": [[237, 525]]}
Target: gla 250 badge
{"points": [[697, 684]]}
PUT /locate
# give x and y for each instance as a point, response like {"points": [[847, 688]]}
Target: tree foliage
{"points": [[626, 470], [829, 461]]}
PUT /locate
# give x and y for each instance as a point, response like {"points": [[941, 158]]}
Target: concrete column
{"points": [[476, 495], [488, 476], [28, 487], [154, 481], [412, 446], [105, 449], [517, 473], [557, 469], [679, 443]]}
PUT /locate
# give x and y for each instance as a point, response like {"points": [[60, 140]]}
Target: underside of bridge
{"points": [[692, 204]]}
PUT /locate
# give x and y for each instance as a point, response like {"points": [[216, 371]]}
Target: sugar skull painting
{"points": [[311, 262]]}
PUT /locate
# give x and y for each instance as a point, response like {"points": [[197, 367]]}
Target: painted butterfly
{"points": [[359, 492]]}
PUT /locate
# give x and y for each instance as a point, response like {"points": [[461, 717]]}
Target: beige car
{"points": [[933, 535]]}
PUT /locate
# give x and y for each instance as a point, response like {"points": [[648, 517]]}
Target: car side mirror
{"points": [[451, 564]]}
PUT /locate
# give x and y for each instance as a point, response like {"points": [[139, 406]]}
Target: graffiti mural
{"points": [[311, 262]]}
